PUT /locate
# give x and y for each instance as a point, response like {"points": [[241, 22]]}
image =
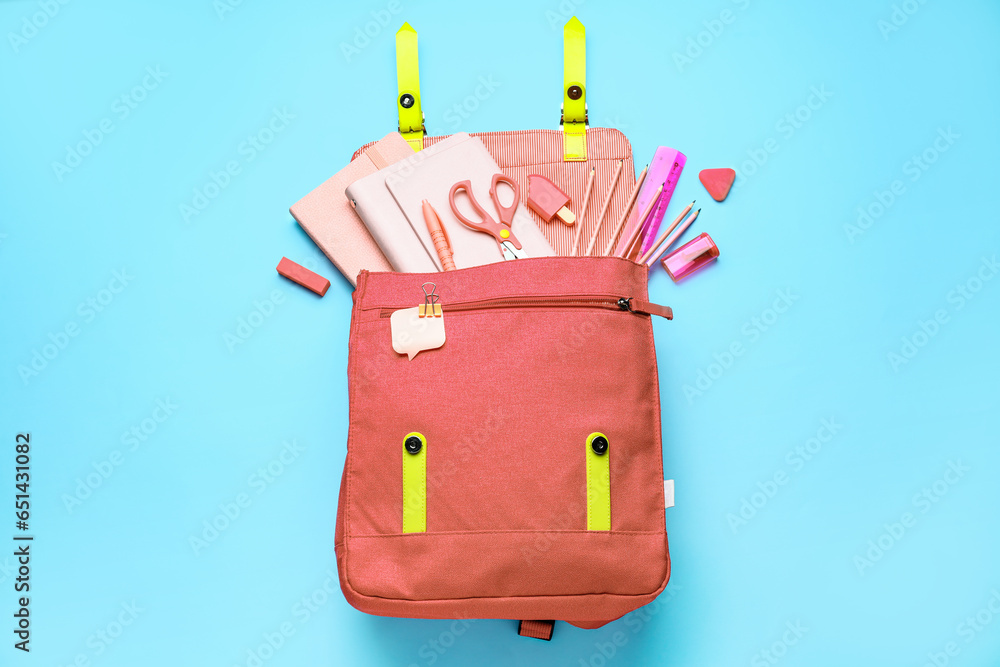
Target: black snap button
{"points": [[574, 92], [599, 445], [414, 444], [406, 100]]}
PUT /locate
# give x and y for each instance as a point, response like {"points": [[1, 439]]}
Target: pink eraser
{"points": [[548, 201], [303, 276]]}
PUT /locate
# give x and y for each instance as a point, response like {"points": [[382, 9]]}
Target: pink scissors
{"points": [[501, 231]]}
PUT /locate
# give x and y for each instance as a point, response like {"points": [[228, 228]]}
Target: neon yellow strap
{"points": [[598, 485], [411, 118], [574, 117], [415, 486]]}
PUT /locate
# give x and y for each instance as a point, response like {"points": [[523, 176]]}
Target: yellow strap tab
{"points": [[598, 484], [414, 485], [574, 116], [411, 117]]}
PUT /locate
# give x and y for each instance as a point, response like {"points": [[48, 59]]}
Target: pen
{"points": [[439, 236]]}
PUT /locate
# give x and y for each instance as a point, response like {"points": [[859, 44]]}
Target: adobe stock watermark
{"points": [[247, 151], [87, 311], [32, 24], [132, 439], [870, 212], [304, 609], [751, 331], [365, 34], [121, 108], [224, 7], [434, 648], [967, 630], [102, 639], [301, 612], [232, 509], [778, 649], [406, 168], [923, 502], [606, 651], [786, 127], [462, 110], [581, 335], [247, 326], [566, 10], [572, 516], [704, 39], [795, 460], [614, 122], [8, 568], [900, 14], [957, 298]]}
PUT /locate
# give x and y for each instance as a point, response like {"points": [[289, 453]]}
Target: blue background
{"points": [[738, 583]]}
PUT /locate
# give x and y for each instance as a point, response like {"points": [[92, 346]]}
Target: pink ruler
{"points": [[665, 169]]}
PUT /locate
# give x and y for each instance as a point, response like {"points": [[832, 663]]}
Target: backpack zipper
{"points": [[622, 303]]}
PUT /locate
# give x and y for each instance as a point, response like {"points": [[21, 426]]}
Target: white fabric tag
{"points": [[668, 493]]}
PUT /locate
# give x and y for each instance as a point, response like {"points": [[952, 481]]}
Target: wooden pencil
{"points": [[628, 209], [638, 228], [583, 211], [666, 233], [604, 209], [634, 246], [676, 235]]}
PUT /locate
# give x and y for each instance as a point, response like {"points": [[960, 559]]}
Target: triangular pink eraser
{"points": [[717, 182]]}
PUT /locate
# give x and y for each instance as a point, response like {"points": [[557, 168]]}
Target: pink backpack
{"points": [[515, 471]]}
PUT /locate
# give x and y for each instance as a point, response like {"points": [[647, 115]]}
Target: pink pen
{"points": [[439, 236]]}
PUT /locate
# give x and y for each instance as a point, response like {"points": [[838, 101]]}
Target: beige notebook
{"points": [[389, 202], [334, 226]]}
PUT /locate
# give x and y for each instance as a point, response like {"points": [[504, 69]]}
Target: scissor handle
{"points": [[506, 212], [486, 224]]}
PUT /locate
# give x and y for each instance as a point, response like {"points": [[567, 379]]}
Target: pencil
{"points": [[666, 233], [642, 221], [628, 209], [604, 209], [583, 211], [673, 239], [634, 246]]}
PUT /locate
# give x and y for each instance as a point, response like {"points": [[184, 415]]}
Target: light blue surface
{"points": [[854, 296]]}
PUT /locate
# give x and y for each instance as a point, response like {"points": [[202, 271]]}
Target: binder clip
{"points": [[419, 328], [431, 306]]}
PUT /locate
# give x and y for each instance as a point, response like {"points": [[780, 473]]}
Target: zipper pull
{"points": [[645, 307]]}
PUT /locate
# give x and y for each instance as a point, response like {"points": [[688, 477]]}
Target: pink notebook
{"points": [[389, 202], [330, 221]]}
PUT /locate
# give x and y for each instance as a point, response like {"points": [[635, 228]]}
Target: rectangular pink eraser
{"points": [[303, 276]]}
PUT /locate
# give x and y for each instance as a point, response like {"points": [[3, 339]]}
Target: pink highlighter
{"points": [[690, 257]]}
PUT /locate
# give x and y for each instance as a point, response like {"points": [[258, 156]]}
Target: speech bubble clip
{"points": [[419, 328]]}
